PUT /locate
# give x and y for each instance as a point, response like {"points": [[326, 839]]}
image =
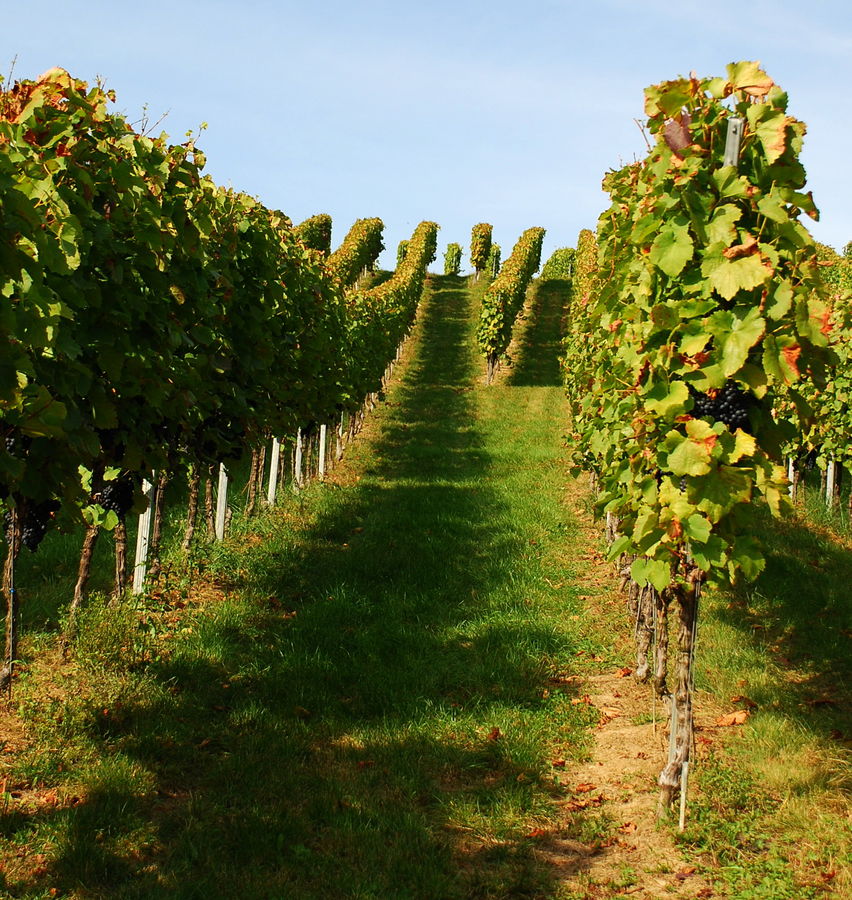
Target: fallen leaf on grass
{"points": [[746, 701], [495, 734], [628, 827], [735, 718], [576, 803], [624, 672], [584, 788], [558, 763], [685, 872], [537, 833], [584, 699], [611, 711]]}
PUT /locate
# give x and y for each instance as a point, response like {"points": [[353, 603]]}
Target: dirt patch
{"points": [[635, 854], [629, 852]]}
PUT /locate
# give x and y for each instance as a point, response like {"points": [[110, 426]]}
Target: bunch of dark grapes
{"points": [[16, 443], [730, 406], [117, 496], [34, 523]]}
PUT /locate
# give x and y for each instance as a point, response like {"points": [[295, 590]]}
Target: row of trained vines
{"points": [[505, 296], [700, 351], [154, 321]]}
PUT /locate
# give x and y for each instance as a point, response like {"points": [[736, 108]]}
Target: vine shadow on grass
{"points": [[800, 613], [537, 363], [317, 739]]}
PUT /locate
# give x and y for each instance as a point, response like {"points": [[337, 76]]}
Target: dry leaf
{"points": [[624, 672], [537, 833], [746, 701], [584, 699], [495, 734], [734, 718], [558, 763], [746, 248], [685, 872], [628, 827], [584, 788]]}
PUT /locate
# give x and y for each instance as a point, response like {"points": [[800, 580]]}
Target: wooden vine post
{"points": [[10, 596]]}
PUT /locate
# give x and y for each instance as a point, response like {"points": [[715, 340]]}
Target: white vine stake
{"points": [[684, 778], [830, 481], [143, 537], [733, 139], [272, 492], [791, 474], [221, 502], [297, 460], [323, 441]]}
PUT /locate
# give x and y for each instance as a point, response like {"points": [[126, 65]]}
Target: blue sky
{"points": [[458, 112]]}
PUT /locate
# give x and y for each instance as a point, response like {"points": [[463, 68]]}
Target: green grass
{"points": [[362, 707], [773, 810]]}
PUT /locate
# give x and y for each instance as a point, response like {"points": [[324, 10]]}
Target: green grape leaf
{"points": [[691, 453], [672, 249], [745, 333], [667, 399], [697, 528], [651, 571], [722, 227], [730, 276]]}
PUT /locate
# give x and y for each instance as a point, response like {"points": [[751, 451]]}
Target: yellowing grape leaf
{"points": [[749, 77]]}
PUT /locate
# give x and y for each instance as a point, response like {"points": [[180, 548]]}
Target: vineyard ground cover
{"points": [[393, 686], [773, 810]]}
